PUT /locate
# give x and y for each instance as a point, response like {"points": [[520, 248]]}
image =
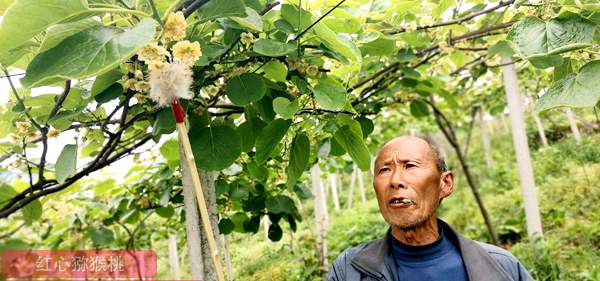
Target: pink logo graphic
{"points": [[78, 264]]}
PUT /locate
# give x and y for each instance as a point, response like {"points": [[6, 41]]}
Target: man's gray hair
{"points": [[439, 158]]}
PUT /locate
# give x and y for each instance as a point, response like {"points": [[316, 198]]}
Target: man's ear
{"points": [[446, 184]]}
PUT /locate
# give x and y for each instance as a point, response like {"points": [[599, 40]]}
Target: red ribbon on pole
{"points": [[178, 111]]}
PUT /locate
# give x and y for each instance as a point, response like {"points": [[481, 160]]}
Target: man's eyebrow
{"points": [[391, 161]]}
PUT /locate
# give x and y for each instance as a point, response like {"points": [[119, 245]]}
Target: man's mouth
{"points": [[401, 202]]}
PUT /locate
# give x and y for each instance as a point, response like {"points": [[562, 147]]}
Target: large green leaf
{"points": [[24, 19], [279, 204], [101, 235], [574, 90], [251, 21], [536, 38], [285, 108], [330, 94], [105, 80], [57, 33], [349, 136], [298, 158], [378, 45], [5, 4], [299, 19], [88, 53], [245, 88], [164, 122], [269, 137], [275, 70], [66, 163], [215, 9], [32, 211], [419, 109], [337, 42], [215, 148], [273, 48]]}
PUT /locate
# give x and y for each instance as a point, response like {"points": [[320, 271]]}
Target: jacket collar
{"points": [[376, 259]]}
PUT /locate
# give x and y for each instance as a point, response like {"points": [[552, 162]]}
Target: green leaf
{"points": [[259, 172], [562, 70], [15, 57], [226, 226], [57, 33], [248, 131], [299, 154], [350, 137], [502, 48], [302, 191], [215, 148], [165, 212], [252, 21], [6, 193], [568, 32], [32, 211], [336, 148], [366, 125], [299, 19], [378, 46], [546, 61], [112, 92], [164, 122], [105, 80], [337, 42], [63, 119], [279, 204], [330, 94], [245, 88], [574, 90], [419, 109], [286, 108], [221, 187], [88, 53], [101, 235], [269, 137], [272, 48], [238, 192], [66, 163], [170, 151], [25, 19], [215, 9], [275, 70], [238, 220]]}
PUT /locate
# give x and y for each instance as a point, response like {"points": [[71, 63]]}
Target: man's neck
{"points": [[424, 234]]}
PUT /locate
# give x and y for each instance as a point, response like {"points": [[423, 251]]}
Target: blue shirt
{"points": [[440, 260]]}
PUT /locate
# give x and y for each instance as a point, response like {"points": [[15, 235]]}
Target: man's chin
{"points": [[408, 224]]}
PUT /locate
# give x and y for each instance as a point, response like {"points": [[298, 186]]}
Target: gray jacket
{"points": [[374, 261]]}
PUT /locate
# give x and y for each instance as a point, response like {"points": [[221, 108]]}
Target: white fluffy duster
{"points": [[170, 81]]}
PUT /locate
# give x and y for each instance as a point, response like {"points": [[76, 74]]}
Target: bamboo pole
{"points": [[189, 158]]}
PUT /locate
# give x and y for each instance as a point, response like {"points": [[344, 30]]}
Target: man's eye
{"points": [[410, 165], [383, 170]]}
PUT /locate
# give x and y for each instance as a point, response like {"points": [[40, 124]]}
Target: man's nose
{"points": [[396, 180]]}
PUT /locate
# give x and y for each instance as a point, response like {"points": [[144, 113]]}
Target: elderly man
{"points": [[410, 180]]}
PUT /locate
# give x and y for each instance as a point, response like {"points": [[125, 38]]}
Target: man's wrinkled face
{"points": [[408, 183]]}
